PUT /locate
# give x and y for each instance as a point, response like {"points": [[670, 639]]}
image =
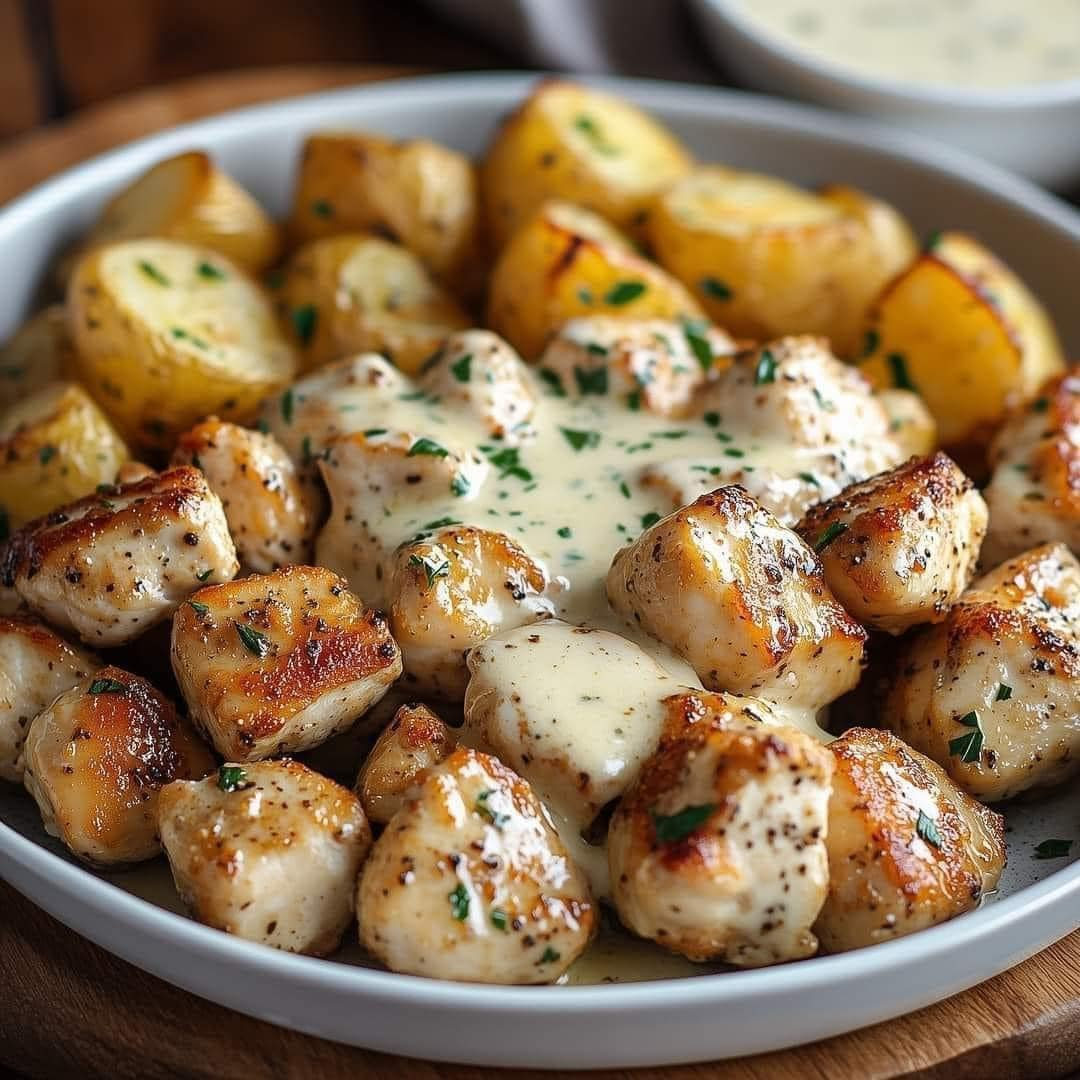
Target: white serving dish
{"points": [[709, 1016], [1029, 129]]}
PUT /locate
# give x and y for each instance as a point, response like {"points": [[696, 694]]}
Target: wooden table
{"points": [[67, 1007]]}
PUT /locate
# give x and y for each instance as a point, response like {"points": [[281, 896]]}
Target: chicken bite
{"points": [[412, 742], [911, 424], [743, 599], [717, 851], [899, 549], [469, 881], [1034, 492], [97, 759], [907, 848], [270, 515], [109, 566], [267, 851], [990, 693], [36, 666], [280, 662]]}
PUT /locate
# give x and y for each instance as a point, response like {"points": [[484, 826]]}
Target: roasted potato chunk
{"points": [[717, 851], [565, 262], [990, 693], [900, 548], [965, 332], [280, 662], [572, 142], [55, 445], [359, 293], [423, 195], [97, 758], [907, 848], [36, 666], [910, 424], [412, 742], [166, 333], [39, 352], [113, 564], [188, 198], [469, 881], [1034, 492], [766, 258], [271, 516], [743, 599], [267, 851]]}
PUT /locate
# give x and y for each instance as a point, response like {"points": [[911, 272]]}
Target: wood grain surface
{"points": [[69, 1008]]}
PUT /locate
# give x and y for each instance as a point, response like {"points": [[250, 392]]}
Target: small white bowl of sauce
{"points": [[999, 78]]}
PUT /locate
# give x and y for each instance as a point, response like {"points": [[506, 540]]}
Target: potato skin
{"points": [[56, 445], [566, 263], [575, 143], [766, 258]]}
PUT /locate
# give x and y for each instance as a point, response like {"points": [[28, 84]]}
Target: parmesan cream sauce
{"points": [[970, 43]]}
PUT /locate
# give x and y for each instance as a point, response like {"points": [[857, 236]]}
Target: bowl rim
{"points": [[948, 941], [981, 99]]}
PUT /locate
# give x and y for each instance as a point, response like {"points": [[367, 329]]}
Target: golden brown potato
{"points": [[566, 263], [576, 143], [167, 333], [188, 198], [358, 293], [767, 258], [961, 329], [39, 352], [55, 446], [418, 193]]}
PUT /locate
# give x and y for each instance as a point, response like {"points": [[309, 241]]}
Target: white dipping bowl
{"points": [[1033, 129]]}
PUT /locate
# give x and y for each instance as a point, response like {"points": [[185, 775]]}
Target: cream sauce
{"points": [[970, 43]]}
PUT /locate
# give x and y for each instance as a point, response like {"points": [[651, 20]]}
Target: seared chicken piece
{"points": [[1034, 493], [112, 564], [36, 666], [97, 758], [280, 662], [477, 371], [907, 848], [469, 881], [269, 513], [453, 590], [743, 599], [133, 471], [658, 364], [717, 851], [267, 851], [990, 694], [911, 424], [413, 741], [900, 548]]}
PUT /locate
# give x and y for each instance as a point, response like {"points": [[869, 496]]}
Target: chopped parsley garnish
{"points": [[672, 827], [595, 349], [622, 292], [153, 273], [565, 532], [181, 334], [810, 478], [927, 829], [579, 440], [1004, 692], [1040, 405], [107, 686], [198, 607], [591, 130], [461, 369], [765, 371], [210, 272], [900, 376], [550, 955], [650, 519], [440, 523], [552, 381], [287, 402], [694, 332], [425, 447], [460, 484], [870, 342], [715, 288], [633, 400], [321, 208], [733, 451], [230, 777], [712, 419], [1053, 849], [255, 641], [46, 454], [204, 576], [459, 902], [624, 489], [372, 432], [499, 919], [584, 295], [968, 747], [304, 320], [827, 406], [496, 817], [432, 569], [508, 462], [828, 535], [593, 381]]}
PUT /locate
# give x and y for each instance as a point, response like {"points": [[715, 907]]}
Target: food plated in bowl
{"points": [[477, 496]]}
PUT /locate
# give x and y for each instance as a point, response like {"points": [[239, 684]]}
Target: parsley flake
{"points": [[231, 778], [153, 273], [579, 440], [304, 321], [425, 447], [255, 641], [927, 829], [107, 686], [210, 272], [198, 607], [622, 292], [1004, 692], [432, 568], [900, 376], [715, 288], [837, 528], [670, 828], [968, 747], [552, 381], [462, 369], [594, 381], [765, 371], [1053, 849], [459, 902]]}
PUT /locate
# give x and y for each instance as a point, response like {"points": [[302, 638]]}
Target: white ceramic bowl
{"points": [[1030, 129], [710, 1016]]}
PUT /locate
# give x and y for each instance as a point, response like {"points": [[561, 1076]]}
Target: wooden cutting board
{"points": [[67, 1007]]}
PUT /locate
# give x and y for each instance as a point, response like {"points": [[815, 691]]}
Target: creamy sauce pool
{"points": [[982, 43]]}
